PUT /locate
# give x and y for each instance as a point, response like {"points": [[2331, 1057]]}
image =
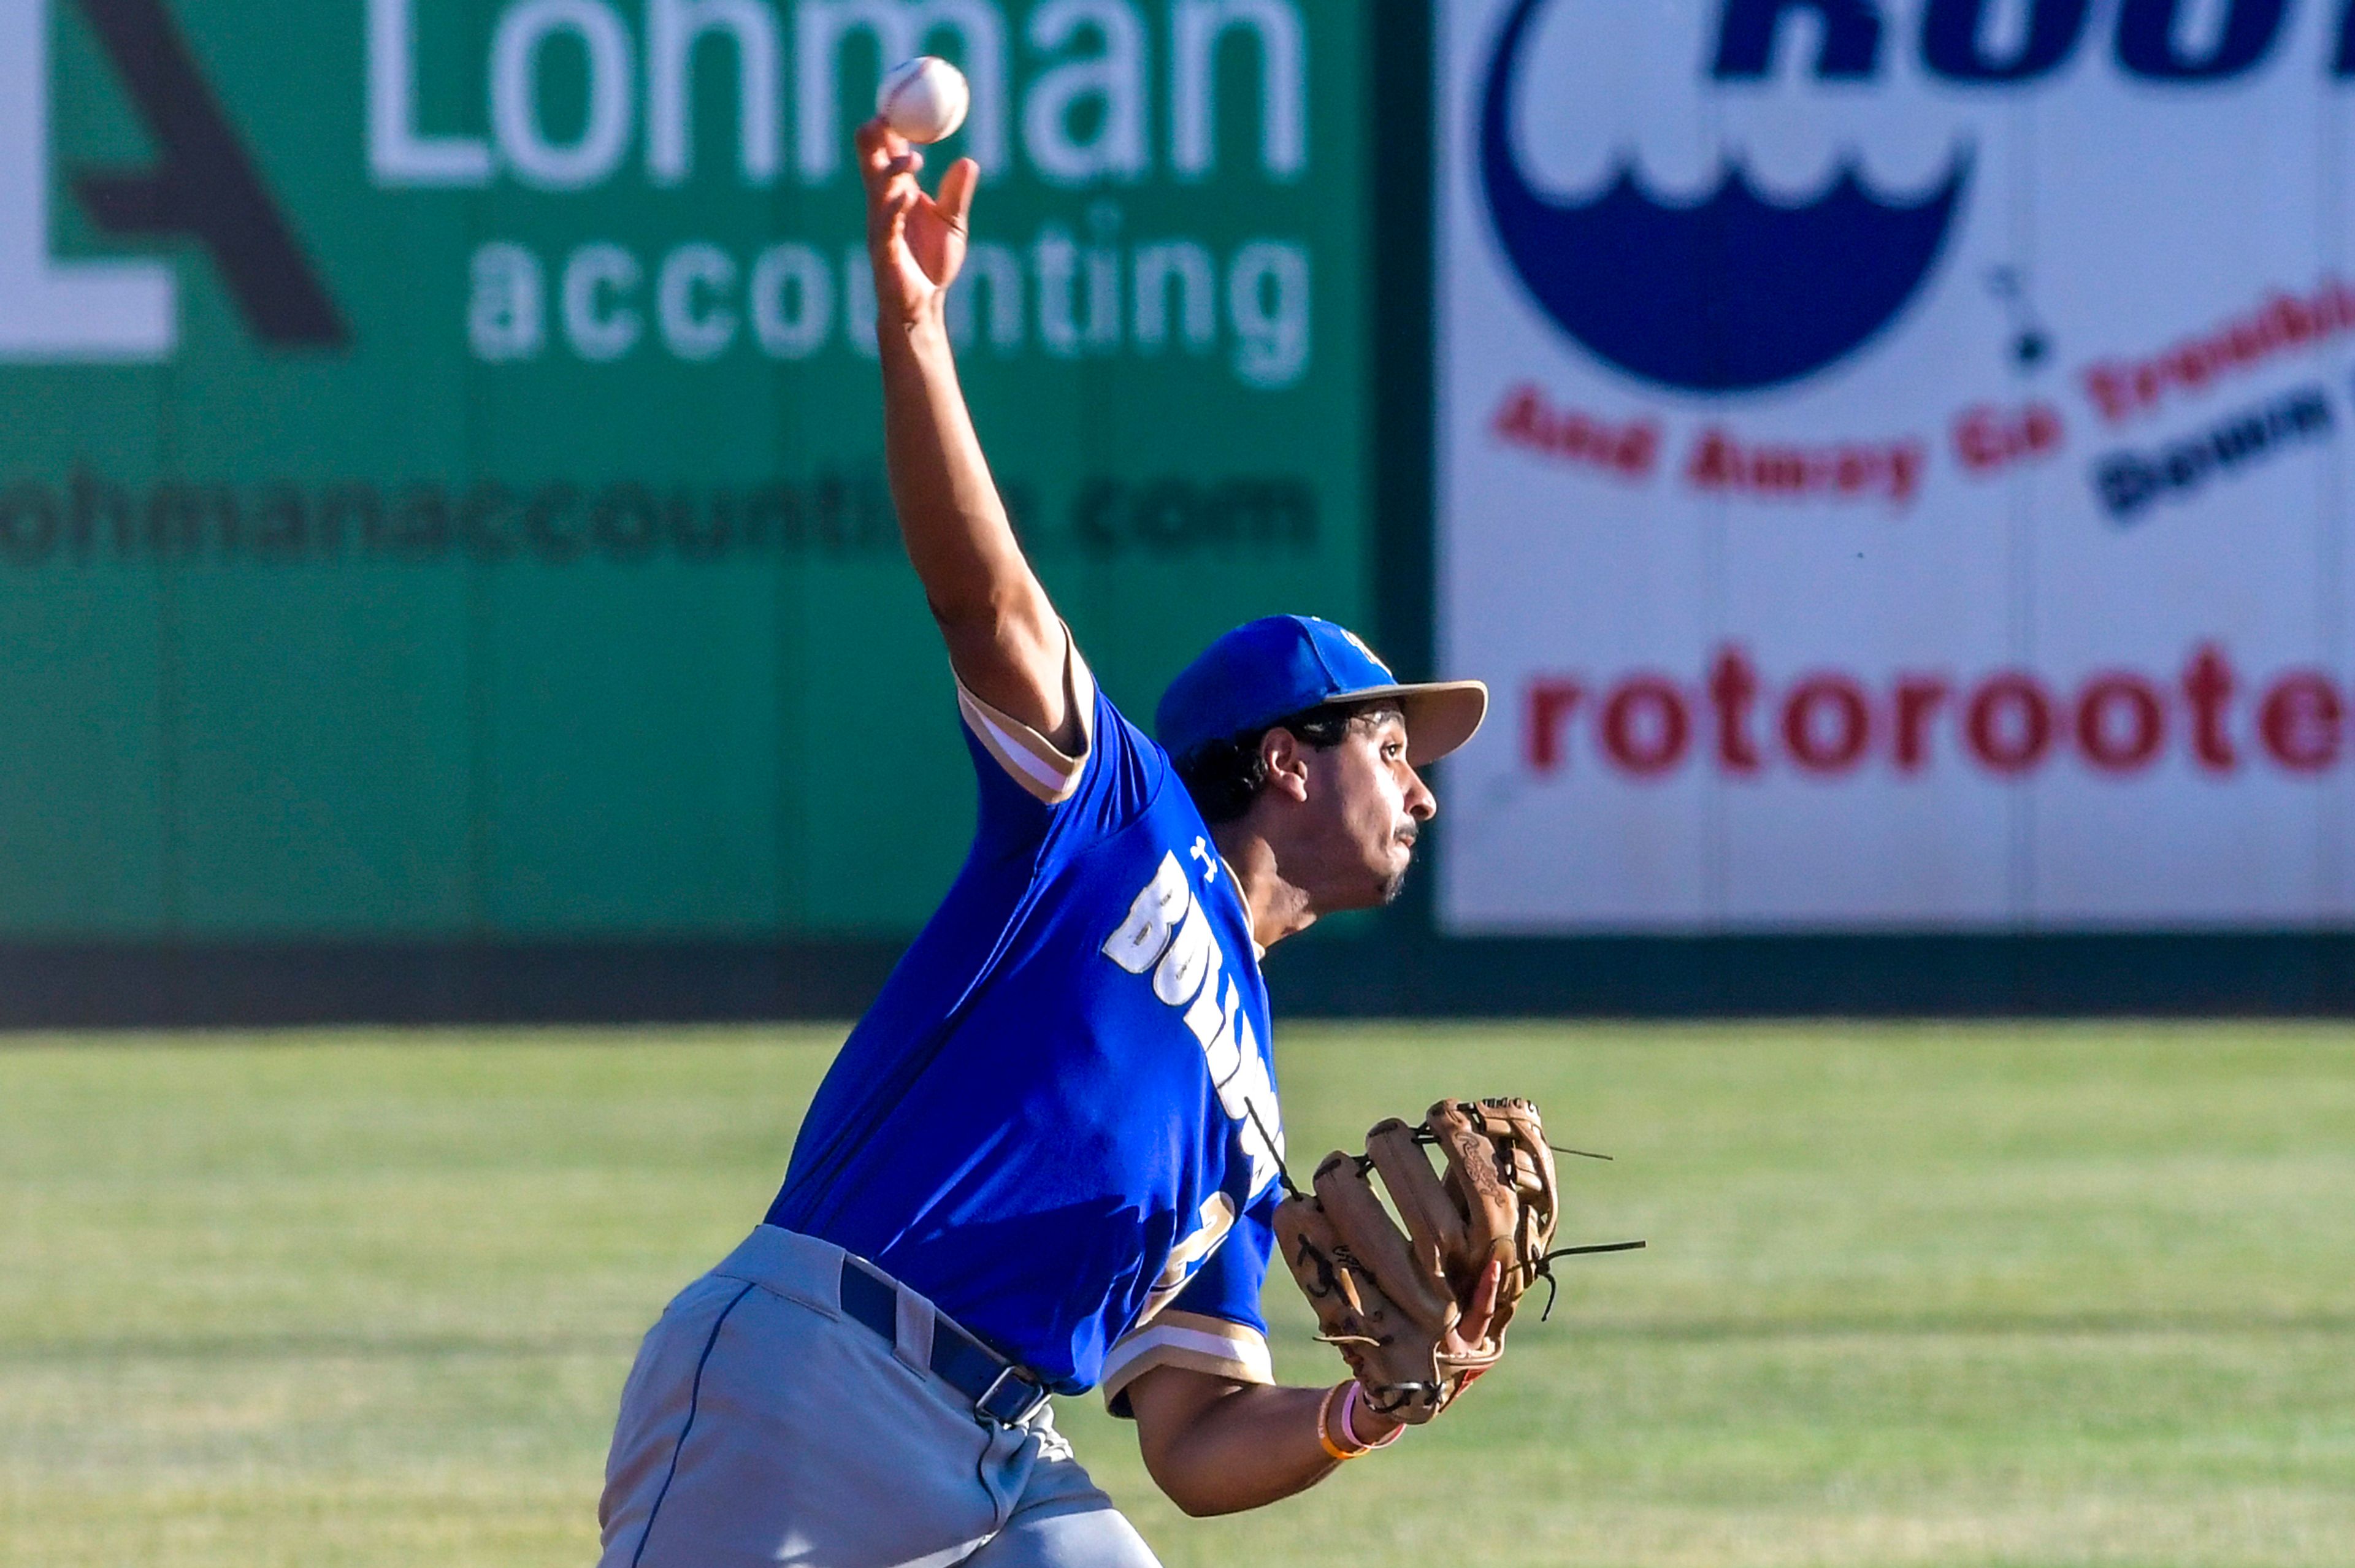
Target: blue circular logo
{"points": [[1735, 294]]}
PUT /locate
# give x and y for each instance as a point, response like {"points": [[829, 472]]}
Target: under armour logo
{"points": [[1201, 852]]}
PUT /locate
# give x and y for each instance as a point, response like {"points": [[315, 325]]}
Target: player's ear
{"points": [[1286, 756]]}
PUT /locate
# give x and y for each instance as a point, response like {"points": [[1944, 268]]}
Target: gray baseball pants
{"points": [[761, 1425]]}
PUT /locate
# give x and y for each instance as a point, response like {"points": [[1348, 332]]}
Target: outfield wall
{"points": [[441, 495], [434, 667]]}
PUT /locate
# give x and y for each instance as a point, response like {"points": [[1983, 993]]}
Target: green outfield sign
{"points": [[440, 491]]}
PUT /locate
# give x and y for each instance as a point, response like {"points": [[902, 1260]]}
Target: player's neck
{"points": [[1278, 908]]}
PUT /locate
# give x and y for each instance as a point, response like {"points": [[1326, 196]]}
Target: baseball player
{"points": [[1046, 1159]]}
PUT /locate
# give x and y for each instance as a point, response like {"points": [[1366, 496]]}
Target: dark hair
{"points": [[1225, 777]]}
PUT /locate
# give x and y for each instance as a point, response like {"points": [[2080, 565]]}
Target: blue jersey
{"points": [[1057, 1121]]}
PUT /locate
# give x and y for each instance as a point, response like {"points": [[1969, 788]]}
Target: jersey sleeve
{"points": [[1029, 786], [1213, 1325]]}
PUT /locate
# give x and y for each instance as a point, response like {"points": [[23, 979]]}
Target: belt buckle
{"points": [[986, 1416]]}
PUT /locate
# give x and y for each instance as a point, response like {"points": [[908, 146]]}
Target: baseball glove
{"points": [[1393, 1302]]}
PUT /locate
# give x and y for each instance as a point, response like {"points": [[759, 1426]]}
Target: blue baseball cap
{"points": [[1273, 668]]}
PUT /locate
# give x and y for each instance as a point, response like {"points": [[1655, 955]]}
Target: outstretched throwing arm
{"points": [[1005, 640]]}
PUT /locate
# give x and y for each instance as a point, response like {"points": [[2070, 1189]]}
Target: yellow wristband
{"points": [[1324, 1430]]}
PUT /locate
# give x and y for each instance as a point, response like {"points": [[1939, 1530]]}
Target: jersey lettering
{"points": [[1168, 932], [1178, 976], [1144, 936], [1217, 1218], [1204, 1016], [1218, 1046], [1249, 1098]]}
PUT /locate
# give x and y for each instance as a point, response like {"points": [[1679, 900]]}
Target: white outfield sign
{"points": [[1894, 463]]}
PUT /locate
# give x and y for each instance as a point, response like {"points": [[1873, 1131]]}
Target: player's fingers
{"points": [[876, 151], [955, 200], [894, 177], [888, 214], [872, 159], [893, 189], [1475, 1324]]}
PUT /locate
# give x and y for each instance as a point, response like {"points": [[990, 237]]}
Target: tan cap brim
{"points": [[1441, 715]]}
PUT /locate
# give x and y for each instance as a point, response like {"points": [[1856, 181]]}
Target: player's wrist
{"points": [[1348, 1429], [1361, 1422], [920, 326]]}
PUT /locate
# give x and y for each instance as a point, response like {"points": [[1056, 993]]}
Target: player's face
{"points": [[1373, 805]]}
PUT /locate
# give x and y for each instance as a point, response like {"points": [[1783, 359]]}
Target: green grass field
{"points": [[2045, 1296]]}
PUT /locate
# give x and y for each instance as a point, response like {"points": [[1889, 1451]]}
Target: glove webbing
{"points": [[1543, 1268]]}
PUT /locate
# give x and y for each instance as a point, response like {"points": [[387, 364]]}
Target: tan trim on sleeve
{"points": [[1029, 758], [1194, 1341]]}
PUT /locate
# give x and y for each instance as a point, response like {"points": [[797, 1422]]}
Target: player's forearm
{"points": [[950, 518], [1243, 1448]]}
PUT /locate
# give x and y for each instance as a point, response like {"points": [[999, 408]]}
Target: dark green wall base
{"points": [[2244, 973], [326, 983], [2254, 974]]}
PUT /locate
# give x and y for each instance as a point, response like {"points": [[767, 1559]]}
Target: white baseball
{"points": [[924, 100]]}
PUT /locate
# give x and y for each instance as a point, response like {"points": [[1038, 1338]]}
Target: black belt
{"points": [[1002, 1393]]}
